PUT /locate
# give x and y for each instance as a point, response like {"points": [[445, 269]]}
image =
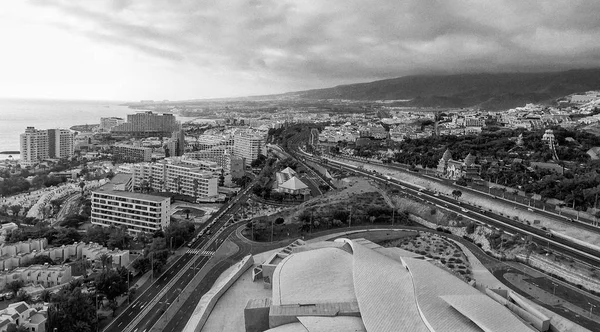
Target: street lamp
{"points": [[554, 288], [592, 306]]}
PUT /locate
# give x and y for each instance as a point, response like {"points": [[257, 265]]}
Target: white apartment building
{"points": [[132, 153], [60, 143], [34, 146], [137, 212], [188, 177], [38, 145], [248, 146]]}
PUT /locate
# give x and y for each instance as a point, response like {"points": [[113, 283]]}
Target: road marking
{"points": [[120, 324]]}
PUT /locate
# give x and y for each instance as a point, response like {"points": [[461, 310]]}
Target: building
{"points": [[106, 124], [44, 275], [135, 211], [22, 314], [357, 285], [34, 146], [21, 253], [194, 178], [237, 168], [60, 143], [148, 124], [455, 169], [38, 145], [248, 146], [131, 153]]}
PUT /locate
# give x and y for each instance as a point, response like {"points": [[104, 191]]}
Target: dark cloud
{"points": [[342, 41]]}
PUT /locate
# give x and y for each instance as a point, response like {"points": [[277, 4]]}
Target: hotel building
{"points": [[38, 145], [194, 178], [60, 143], [137, 212], [148, 124], [248, 146]]}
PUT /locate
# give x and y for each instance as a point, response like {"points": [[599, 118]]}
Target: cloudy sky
{"points": [[184, 49]]}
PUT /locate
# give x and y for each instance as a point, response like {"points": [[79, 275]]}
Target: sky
{"points": [[191, 49]]}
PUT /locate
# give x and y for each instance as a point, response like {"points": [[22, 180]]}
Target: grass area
{"points": [[445, 252]]}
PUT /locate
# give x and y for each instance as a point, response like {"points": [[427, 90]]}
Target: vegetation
{"points": [[71, 310]]}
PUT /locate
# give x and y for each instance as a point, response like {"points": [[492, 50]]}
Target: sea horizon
{"points": [[16, 114]]}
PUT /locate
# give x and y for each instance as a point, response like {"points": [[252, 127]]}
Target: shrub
{"points": [[450, 265]]}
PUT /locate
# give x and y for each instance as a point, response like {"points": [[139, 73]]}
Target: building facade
{"points": [[194, 178], [34, 146], [60, 143], [106, 124], [134, 211], [148, 124], [132, 153], [38, 145], [248, 146]]}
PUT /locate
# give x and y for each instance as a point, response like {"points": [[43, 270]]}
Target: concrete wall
{"points": [[569, 275], [208, 301]]}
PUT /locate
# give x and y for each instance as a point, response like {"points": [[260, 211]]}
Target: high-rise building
{"points": [[248, 146], [135, 211], [34, 146], [38, 145], [60, 143], [148, 124]]}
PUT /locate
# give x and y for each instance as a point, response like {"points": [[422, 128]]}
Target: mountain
{"points": [[487, 91]]}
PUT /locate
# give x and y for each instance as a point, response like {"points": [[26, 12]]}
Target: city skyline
{"points": [[124, 50]]}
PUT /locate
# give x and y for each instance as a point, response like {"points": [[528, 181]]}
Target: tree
{"points": [[106, 261], [112, 283], [15, 209], [15, 286], [14, 328], [187, 213], [70, 308], [456, 193]]}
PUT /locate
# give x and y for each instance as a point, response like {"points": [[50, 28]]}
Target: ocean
{"points": [[18, 114]]}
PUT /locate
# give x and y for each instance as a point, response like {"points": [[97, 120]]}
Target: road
{"points": [[143, 313]]}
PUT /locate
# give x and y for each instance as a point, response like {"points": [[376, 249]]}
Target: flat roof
{"points": [[129, 194]]}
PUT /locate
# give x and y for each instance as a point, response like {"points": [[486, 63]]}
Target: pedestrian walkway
{"points": [[201, 252]]}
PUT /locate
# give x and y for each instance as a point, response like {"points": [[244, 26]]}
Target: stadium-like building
{"points": [[356, 285]]}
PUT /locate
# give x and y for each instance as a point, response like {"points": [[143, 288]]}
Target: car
{"points": [[464, 210], [530, 209], [208, 232]]}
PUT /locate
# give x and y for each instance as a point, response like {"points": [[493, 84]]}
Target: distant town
{"points": [[103, 211]]}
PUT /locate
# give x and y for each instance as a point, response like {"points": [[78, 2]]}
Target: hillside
{"points": [[488, 91]]}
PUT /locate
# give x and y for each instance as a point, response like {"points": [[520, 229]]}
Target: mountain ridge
{"points": [[485, 90]]}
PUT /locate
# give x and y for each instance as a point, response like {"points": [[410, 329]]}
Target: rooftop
{"points": [[144, 197]]}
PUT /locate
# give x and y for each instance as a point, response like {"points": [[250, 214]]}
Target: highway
{"points": [[582, 253], [578, 251], [147, 308]]}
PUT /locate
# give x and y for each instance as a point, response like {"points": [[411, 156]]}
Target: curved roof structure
{"points": [[316, 276], [358, 287]]}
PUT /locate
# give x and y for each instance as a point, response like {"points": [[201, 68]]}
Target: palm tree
{"points": [[106, 260], [82, 185]]}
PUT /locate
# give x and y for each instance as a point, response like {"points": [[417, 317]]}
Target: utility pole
{"points": [[272, 222]]}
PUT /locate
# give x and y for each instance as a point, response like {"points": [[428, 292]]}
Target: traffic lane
{"points": [[157, 310], [146, 296]]}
